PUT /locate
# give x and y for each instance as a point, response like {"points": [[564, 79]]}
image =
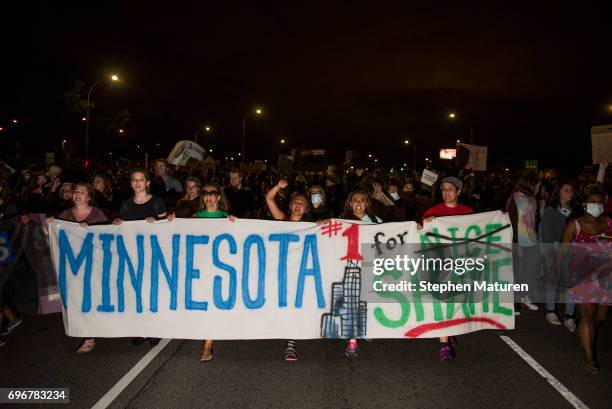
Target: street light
{"points": [[258, 112], [206, 128], [452, 115], [113, 78], [414, 151], [282, 141]]}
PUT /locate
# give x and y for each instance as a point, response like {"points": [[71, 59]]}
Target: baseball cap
{"points": [[453, 181]]}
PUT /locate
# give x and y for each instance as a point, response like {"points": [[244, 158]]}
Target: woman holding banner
{"points": [[357, 207], [141, 206], [212, 206], [84, 213], [588, 240], [298, 209]]}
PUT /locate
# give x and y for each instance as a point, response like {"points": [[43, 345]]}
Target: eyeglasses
{"points": [[211, 193]]}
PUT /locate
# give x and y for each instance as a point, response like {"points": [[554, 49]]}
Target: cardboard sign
{"points": [[601, 140], [472, 157], [429, 177]]}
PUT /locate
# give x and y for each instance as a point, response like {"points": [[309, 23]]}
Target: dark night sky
{"points": [[343, 76]]}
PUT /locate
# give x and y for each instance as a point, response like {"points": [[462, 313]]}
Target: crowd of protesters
{"points": [[543, 208]]}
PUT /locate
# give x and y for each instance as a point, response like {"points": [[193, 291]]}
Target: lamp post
{"points": [[113, 78], [453, 115], [258, 112], [205, 128], [282, 141], [414, 151]]}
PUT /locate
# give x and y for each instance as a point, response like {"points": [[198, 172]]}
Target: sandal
{"points": [[86, 346], [207, 355], [591, 368]]}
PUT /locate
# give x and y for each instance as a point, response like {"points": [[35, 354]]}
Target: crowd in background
{"points": [[541, 205]]}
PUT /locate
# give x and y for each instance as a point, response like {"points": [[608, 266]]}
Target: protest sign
{"points": [[472, 157], [601, 140], [428, 177], [185, 150], [253, 279]]}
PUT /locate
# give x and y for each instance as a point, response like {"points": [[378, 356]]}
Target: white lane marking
{"points": [[569, 396], [112, 394]]}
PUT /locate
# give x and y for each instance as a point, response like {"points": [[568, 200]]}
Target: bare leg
{"points": [[207, 353], [586, 331], [602, 312], [9, 313]]}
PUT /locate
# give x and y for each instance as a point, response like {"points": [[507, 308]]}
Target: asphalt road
{"points": [[252, 374]]}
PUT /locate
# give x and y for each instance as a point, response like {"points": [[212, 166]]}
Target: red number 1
{"points": [[352, 249]]}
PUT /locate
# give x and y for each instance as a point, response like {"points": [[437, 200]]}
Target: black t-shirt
{"points": [[133, 211], [241, 202]]}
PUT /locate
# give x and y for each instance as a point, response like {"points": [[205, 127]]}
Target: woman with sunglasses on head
{"points": [[357, 207], [298, 210], [213, 205], [84, 213], [142, 206]]}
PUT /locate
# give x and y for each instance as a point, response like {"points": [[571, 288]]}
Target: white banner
{"points": [[253, 279]]}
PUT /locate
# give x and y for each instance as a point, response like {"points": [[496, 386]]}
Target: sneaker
{"points": [[553, 318], [138, 341], [86, 346], [527, 303], [10, 326], [351, 349], [290, 352], [570, 324], [447, 352]]}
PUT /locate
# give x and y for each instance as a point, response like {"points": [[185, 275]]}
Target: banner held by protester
{"points": [[257, 279]]}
